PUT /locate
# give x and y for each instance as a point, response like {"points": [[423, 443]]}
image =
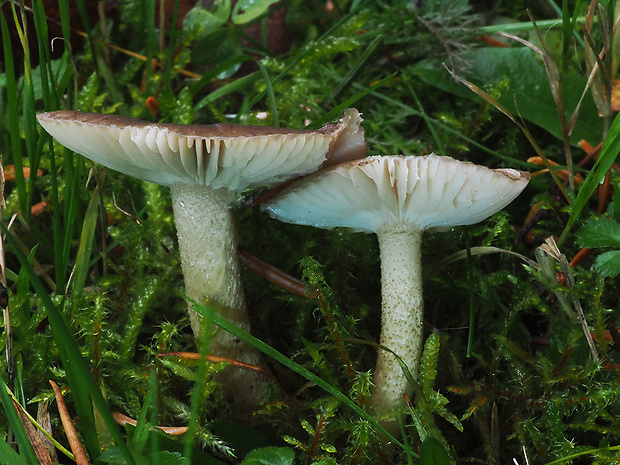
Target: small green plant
{"points": [[602, 233]]}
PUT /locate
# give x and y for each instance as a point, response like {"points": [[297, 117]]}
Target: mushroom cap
{"points": [[220, 155], [426, 192]]}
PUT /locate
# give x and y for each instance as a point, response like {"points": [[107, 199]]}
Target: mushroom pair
{"points": [[204, 166], [398, 198]]}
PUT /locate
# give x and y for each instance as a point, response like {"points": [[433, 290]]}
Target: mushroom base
{"points": [[401, 318], [208, 249]]}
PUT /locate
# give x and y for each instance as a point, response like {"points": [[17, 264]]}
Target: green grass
{"points": [[96, 291]]}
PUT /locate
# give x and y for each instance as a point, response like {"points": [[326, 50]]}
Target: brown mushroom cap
{"points": [[221, 155], [426, 192]]}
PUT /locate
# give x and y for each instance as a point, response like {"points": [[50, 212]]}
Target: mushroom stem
{"points": [[402, 309], [208, 248]]}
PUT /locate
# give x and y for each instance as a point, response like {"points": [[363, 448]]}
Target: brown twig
{"points": [[591, 152], [33, 435], [276, 276], [317, 438], [172, 430], [271, 193], [579, 257], [74, 440], [212, 358], [603, 193], [45, 423]]}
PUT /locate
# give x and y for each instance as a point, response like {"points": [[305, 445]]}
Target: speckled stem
{"points": [[401, 315], [208, 248]]}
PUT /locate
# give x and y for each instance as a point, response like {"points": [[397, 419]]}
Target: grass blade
{"points": [[472, 294], [74, 166], [65, 24], [212, 74], [271, 97], [171, 46], [229, 88], [82, 260], [427, 119], [197, 389], [609, 152], [13, 121], [25, 447], [28, 113], [149, 16]]}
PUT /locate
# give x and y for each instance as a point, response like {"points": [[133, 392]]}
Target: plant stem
{"points": [[402, 311], [208, 247]]}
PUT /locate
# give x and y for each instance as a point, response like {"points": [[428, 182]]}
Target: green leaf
{"points": [[432, 452], [270, 456], [428, 364], [165, 457], [217, 48], [608, 263], [113, 456], [8, 455], [247, 10], [599, 232], [520, 77], [449, 416], [206, 21]]}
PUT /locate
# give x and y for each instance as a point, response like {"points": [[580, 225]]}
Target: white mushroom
{"points": [[204, 165], [398, 198]]}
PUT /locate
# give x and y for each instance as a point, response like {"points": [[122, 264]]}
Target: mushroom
{"points": [[204, 166], [398, 198]]}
